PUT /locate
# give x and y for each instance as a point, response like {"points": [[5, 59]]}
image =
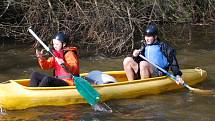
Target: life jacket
{"points": [[69, 55], [168, 52], [154, 54], [58, 69]]}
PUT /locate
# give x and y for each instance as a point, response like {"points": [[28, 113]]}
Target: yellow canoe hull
{"points": [[16, 94]]}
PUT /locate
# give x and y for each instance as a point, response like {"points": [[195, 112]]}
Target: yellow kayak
{"points": [[15, 94]]}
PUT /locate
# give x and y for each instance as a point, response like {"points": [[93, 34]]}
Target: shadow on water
{"points": [[178, 105]]}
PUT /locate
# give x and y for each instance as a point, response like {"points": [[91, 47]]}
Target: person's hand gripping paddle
{"points": [[83, 87], [195, 90]]}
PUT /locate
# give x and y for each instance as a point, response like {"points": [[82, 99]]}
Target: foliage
{"points": [[108, 26]]}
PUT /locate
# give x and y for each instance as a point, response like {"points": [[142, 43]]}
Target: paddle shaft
{"points": [[41, 42], [84, 88], [47, 48], [167, 73]]}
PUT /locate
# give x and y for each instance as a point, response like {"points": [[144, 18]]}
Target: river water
{"points": [[179, 105]]}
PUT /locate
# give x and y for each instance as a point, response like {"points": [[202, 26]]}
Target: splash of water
{"points": [[2, 110], [102, 108]]}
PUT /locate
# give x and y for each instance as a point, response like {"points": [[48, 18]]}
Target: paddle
{"points": [[83, 87], [195, 90]]}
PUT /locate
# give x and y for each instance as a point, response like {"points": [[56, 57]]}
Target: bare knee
{"points": [[144, 64], [145, 69], [130, 67], [127, 61]]}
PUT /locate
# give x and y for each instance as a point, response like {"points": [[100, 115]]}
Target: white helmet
{"points": [[100, 78]]}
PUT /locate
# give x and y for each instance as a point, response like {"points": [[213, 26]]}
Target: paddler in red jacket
{"points": [[64, 55]]}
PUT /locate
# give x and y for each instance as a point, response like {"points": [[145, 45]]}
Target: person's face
{"points": [[58, 45], [150, 39]]}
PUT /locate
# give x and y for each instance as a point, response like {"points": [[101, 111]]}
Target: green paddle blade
{"points": [[86, 90]]}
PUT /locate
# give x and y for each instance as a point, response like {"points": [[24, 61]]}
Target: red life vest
{"points": [[59, 70], [69, 55]]}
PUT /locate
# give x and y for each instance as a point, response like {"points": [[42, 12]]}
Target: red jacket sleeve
{"points": [[72, 62], [46, 64]]}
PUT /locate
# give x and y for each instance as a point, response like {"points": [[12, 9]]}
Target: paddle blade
{"points": [[202, 92], [199, 91], [87, 91]]}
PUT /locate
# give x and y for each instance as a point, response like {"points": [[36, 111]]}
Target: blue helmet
{"points": [[151, 30], [61, 37]]}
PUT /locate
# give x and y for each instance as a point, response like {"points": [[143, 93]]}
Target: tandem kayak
{"points": [[15, 94]]}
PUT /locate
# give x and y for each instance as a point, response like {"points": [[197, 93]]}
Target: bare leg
{"points": [[130, 67], [146, 69]]}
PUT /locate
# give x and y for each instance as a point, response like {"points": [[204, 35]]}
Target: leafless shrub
{"points": [[107, 26]]}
